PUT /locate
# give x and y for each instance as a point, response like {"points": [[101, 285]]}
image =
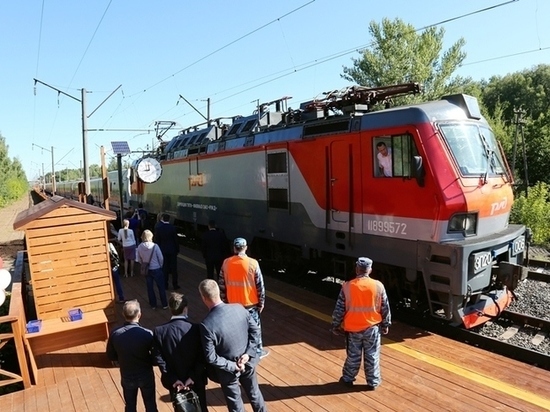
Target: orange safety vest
{"points": [[240, 280], [363, 304]]}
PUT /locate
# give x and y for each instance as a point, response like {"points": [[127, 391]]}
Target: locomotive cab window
{"points": [[393, 156], [475, 149]]}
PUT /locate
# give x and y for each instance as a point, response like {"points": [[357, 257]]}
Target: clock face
{"points": [[149, 170]]}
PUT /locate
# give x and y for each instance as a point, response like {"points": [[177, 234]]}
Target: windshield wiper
{"points": [[489, 153]]}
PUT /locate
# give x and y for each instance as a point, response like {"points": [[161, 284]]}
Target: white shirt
{"points": [[127, 239], [385, 163]]}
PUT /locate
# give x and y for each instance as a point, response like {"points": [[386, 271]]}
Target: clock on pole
{"points": [[149, 170]]}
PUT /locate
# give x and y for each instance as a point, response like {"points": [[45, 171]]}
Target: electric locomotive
{"points": [[423, 189]]}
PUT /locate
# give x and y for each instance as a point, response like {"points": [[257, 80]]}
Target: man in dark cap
{"points": [[241, 281], [362, 311]]}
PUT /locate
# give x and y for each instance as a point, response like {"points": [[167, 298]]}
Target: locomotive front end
{"points": [[486, 251]]}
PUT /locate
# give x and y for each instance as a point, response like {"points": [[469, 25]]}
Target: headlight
{"points": [[465, 223]]}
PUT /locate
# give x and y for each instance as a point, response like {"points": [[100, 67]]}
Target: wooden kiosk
{"points": [[68, 255]]}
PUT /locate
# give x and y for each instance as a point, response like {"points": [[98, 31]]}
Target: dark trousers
{"points": [[156, 276], [255, 314], [118, 285], [146, 384], [212, 264], [170, 267], [232, 391]]}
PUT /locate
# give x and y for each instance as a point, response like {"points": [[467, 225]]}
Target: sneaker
{"points": [[165, 307], [154, 307], [346, 383], [370, 388], [264, 353]]}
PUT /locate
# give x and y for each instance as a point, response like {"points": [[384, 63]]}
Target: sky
{"points": [[141, 62]]}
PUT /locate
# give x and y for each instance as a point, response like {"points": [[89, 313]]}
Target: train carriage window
{"points": [[393, 156]]}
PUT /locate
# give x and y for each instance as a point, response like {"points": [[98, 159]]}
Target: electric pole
{"points": [[82, 102]]}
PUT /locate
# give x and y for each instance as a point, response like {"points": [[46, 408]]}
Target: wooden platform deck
{"points": [[420, 371]]}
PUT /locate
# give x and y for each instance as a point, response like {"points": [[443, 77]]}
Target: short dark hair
{"points": [[380, 144], [177, 303], [165, 217], [212, 223], [140, 204]]}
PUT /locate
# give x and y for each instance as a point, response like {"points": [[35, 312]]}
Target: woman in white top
{"points": [[128, 240], [150, 257]]}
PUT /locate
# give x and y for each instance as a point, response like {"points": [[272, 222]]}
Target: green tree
{"points": [[533, 210], [13, 183], [399, 54], [528, 90]]}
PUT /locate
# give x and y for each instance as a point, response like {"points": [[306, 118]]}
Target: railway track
{"points": [[516, 334]]}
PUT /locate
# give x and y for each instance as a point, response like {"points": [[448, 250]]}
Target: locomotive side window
{"points": [[278, 198], [277, 180], [276, 163], [393, 156]]}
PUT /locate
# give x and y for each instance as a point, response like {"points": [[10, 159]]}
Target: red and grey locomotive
{"points": [[422, 189]]}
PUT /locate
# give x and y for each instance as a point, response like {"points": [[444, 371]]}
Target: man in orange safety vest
{"points": [[241, 281], [362, 311]]}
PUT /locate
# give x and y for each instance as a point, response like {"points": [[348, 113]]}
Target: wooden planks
{"points": [[61, 333], [302, 370]]}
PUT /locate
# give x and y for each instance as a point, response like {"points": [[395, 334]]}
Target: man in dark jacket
{"points": [[178, 351], [167, 239], [230, 338], [214, 249], [130, 346]]}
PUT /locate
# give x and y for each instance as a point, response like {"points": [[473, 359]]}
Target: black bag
{"points": [[186, 401], [144, 268]]}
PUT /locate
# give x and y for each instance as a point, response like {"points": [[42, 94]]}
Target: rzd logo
{"points": [[495, 207]]}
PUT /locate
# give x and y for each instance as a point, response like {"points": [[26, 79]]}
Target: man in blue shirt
{"points": [[131, 347]]}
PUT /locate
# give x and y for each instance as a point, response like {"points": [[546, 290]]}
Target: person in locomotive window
{"points": [[127, 238], [167, 239], [241, 281], [148, 253], [384, 159], [130, 346], [362, 311]]}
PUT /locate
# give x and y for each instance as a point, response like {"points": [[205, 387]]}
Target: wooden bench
{"points": [[61, 333]]}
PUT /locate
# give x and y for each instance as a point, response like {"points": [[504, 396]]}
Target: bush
{"points": [[533, 210]]}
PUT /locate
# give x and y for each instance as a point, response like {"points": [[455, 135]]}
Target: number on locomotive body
{"points": [[481, 261], [518, 245]]}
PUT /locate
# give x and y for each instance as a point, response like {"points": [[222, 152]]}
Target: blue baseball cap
{"points": [[364, 263], [239, 242]]}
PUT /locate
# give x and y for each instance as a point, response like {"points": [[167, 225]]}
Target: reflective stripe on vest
{"points": [[240, 280], [363, 304]]}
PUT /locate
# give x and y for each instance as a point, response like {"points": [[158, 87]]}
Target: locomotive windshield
{"points": [[474, 148]]}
